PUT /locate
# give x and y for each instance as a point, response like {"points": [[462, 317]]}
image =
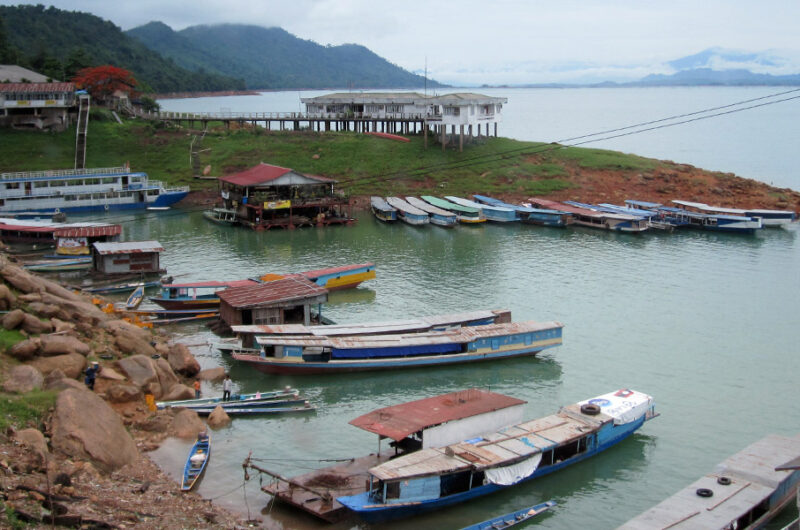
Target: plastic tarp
{"points": [[507, 475], [624, 405]]}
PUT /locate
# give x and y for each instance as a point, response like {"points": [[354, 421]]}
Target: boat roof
{"points": [[279, 291], [753, 479], [127, 247], [211, 283], [88, 231], [380, 203], [643, 204], [604, 212], [427, 207], [519, 207], [472, 204], [506, 446], [404, 206], [627, 210], [733, 211], [34, 225], [399, 421], [447, 205]]}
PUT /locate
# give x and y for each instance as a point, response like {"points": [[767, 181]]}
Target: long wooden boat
{"points": [[769, 218], [136, 297], [285, 393], [221, 216], [408, 213], [594, 218], [438, 216], [60, 265], [528, 214], [258, 411], [382, 210], [250, 404], [744, 491], [683, 217], [196, 462], [119, 287], [464, 214], [455, 447], [203, 295], [512, 519], [283, 354], [498, 214]]}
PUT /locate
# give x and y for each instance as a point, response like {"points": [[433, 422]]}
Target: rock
{"points": [[182, 361], [59, 326], [76, 310], [178, 392], [61, 344], [64, 383], [120, 326], [86, 427], [158, 423], [166, 377], [187, 424], [34, 439], [53, 376], [33, 325], [26, 349], [72, 364], [7, 298], [132, 344], [109, 373], [124, 393], [21, 280], [140, 370], [45, 310], [22, 379], [14, 318], [218, 418], [212, 374]]}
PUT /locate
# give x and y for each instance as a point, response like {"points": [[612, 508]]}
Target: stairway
{"points": [[84, 103]]}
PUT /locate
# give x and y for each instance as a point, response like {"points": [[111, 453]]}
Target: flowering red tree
{"points": [[102, 81]]}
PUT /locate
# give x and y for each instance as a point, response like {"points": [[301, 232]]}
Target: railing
{"points": [[65, 173], [288, 116]]}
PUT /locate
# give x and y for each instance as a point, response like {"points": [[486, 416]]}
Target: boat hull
{"points": [[193, 472]]}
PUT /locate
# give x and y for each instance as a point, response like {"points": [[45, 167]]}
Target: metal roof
{"points": [[399, 421], [263, 173], [128, 247], [89, 231], [279, 291], [36, 88]]}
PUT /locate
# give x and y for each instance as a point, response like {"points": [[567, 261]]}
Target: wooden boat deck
{"points": [[316, 492]]}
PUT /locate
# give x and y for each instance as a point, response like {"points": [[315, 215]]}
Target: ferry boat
{"points": [[528, 214], [289, 354], [464, 214], [767, 218], [381, 209], [683, 217], [408, 213], [439, 217], [498, 214], [592, 218], [83, 190]]}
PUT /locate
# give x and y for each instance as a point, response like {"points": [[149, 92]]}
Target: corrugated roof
{"points": [[256, 175], [44, 88], [89, 231], [278, 291], [128, 247], [399, 421]]}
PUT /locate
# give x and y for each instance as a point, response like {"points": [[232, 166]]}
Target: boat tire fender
{"points": [[590, 409], [704, 492], [724, 481]]}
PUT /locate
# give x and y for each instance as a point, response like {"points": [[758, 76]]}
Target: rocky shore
{"points": [[85, 464]]}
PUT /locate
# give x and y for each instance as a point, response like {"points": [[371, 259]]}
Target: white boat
{"points": [[769, 218], [408, 213], [492, 213]]}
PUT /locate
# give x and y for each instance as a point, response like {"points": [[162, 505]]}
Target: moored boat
{"points": [[498, 214], [438, 216], [769, 218], [196, 462], [528, 214], [285, 393], [259, 410], [512, 519], [135, 297], [221, 216], [382, 210], [593, 218], [464, 214], [408, 213], [59, 265]]}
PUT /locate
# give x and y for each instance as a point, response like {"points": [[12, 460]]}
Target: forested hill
{"points": [[58, 43], [274, 58]]}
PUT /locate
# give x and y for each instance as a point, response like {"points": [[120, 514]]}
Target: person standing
{"points": [[91, 374], [197, 389], [226, 388]]}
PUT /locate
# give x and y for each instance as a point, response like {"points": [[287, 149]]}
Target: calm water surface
{"points": [[706, 323]]}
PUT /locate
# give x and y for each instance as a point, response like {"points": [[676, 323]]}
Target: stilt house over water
{"points": [[267, 196]]}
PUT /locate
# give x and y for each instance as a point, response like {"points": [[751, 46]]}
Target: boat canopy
{"points": [[624, 405]]}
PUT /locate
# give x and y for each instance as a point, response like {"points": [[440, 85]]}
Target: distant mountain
{"points": [[57, 43], [272, 58], [707, 76]]}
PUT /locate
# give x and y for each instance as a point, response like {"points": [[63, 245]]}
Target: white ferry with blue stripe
{"points": [[83, 191]]}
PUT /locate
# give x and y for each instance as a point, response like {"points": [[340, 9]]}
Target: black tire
{"points": [[724, 481], [704, 492], [590, 409]]}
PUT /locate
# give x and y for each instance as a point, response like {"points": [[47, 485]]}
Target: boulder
{"points": [[26, 349], [62, 327], [109, 373], [140, 370], [13, 319], [187, 424], [78, 310], [166, 377], [132, 344], [117, 326], [72, 364], [34, 440], [212, 374], [33, 325], [86, 427], [7, 298], [64, 383], [22, 379], [21, 279], [178, 392], [60, 344], [45, 310], [124, 393], [182, 361], [53, 376], [218, 418], [159, 423]]}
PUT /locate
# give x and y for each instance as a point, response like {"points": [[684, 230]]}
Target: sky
{"points": [[505, 41]]}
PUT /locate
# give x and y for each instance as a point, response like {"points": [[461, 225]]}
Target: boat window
{"points": [[393, 490], [457, 482]]}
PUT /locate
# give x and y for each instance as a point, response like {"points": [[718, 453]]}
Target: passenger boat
{"points": [[704, 221], [135, 298], [221, 216], [197, 461], [769, 218], [528, 214], [286, 393], [288, 354], [464, 214], [512, 519], [407, 213], [591, 218], [438, 216], [455, 447], [382, 210], [83, 190], [203, 295], [259, 410], [498, 214], [744, 491]]}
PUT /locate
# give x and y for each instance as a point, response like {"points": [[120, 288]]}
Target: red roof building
{"points": [[287, 300]]}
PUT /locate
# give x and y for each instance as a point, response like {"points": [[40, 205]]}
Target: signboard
{"points": [[277, 205], [72, 246]]}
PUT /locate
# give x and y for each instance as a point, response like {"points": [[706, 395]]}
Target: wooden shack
{"points": [[128, 257], [283, 301]]}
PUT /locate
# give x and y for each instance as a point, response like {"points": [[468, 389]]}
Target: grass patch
{"points": [[602, 159], [25, 410], [9, 337]]}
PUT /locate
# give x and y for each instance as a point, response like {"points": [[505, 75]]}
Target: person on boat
{"points": [[202, 436], [91, 374], [226, 387], [197, 389]]}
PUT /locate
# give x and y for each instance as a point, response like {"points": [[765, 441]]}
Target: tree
{"points": [[6, 53], [77, 60], [102, 81]]}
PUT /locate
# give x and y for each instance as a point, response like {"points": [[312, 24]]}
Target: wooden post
{"points": [[495, 130], [444, 136], [425, 134], [461, 139]]}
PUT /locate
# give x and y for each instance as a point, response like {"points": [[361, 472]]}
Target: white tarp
{"points": [[624, 405], [505, 476]]}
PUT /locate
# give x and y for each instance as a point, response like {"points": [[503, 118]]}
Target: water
{"points": [[704, 322]]}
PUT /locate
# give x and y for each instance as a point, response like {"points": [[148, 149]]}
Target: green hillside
{"points": [[274, 58], [57, 43]]}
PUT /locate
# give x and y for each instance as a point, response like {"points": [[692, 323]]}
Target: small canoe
{"points": [[221, 216], [257, 411], [135, 297], [120, 287], [196, 462], [512, 519], [253, 404], [285, 393]]}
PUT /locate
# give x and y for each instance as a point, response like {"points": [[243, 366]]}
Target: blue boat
{"points": [[683, 217], [498, 214], [196, 462], [381, 209], [408, 213], [512, 519], [664, 218], [439, 216], [769, 218], [259, 411], [436, 476], [530, 215]]}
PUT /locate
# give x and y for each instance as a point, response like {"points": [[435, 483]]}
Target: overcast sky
{"points": [[501, 41]]}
